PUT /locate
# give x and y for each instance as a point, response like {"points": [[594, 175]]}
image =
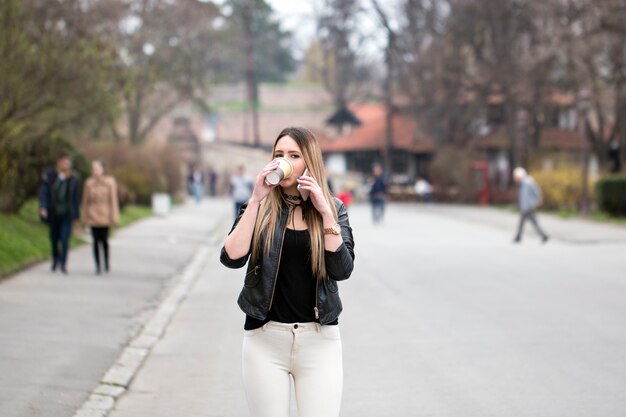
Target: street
{"points": [[443, 316]]}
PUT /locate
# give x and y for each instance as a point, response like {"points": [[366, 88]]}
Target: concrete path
{"points": [[61, 333], [444, 316]]}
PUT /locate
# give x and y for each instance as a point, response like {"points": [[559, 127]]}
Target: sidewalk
{"points": [[570, 231], [60, 333]]}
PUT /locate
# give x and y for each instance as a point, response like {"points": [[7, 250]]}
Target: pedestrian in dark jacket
{"points": [[378, 194], [59, 206], [529, 198], [297, 242]]}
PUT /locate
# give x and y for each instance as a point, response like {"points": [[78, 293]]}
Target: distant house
{"points": [[366, 145], [559, 140]]}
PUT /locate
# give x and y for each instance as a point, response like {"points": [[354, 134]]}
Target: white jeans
{"points": [[311, 353]]}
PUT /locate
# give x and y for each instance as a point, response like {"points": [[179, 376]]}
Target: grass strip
{"points": [[24, 239]]}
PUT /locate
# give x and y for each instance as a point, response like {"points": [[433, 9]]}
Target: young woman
{"points": [[100, 210], [297, 251]]}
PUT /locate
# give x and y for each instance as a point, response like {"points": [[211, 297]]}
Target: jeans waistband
{"points": [[290, 327]]}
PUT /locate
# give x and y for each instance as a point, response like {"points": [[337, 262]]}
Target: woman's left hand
{"points": [[308, 183]]}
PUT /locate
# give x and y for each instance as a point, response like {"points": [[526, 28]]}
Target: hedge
{"points": [[611, 195]]}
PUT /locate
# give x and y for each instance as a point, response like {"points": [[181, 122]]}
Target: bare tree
{"points": [[342, 70], [390, 51], [591, 35], [164, 61]]}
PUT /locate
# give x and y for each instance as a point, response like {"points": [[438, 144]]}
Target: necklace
{"points": [[294, 201], [292, 197]]}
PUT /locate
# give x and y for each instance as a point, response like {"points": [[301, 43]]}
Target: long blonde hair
{"points": [[272, 205]]}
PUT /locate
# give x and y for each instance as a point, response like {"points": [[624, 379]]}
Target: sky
{"points": [[297, 16]]}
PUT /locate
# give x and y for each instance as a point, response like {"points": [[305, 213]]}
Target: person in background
{"points": [[196, 184], [529, 199], [100, 211], [212, 175], [59, 207], [241, 186], [345, 195], [378, 194], [424, 190]]}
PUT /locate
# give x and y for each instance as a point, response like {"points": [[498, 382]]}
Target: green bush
{"points": [[611, 195], [22, 164], [561, 188]]}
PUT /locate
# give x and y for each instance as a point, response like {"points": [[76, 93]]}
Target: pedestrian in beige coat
{"points": [[100, 210]]}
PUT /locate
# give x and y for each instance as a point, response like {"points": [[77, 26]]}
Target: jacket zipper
{"points": [[280, 252], [253, 271], [317, 312]]}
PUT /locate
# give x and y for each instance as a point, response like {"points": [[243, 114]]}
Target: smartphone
{"points": [[304, 193]]}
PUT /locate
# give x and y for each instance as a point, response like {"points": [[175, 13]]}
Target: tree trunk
{"points": [[388, 89], [511, 130], [251, 81]]}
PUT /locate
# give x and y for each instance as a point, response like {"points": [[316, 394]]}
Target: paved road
{"points": [[59, 334], [443, 317]]}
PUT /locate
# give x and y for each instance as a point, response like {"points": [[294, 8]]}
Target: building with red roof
{"points": [[366, 145]]}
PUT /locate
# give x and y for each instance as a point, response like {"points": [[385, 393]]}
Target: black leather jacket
{"points": [[257, 294]]}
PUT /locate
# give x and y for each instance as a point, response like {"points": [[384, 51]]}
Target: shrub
{"points": [[611, 195], [136, 181], [451, 174], [140, 170], [561, 188]]}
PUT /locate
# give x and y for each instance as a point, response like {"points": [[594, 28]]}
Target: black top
{"points": [[296, 287]]}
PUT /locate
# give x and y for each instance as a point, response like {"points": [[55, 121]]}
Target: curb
{"points": [[117, 379]]}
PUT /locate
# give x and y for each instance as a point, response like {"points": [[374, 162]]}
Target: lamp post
{"points": [[584, 104]]}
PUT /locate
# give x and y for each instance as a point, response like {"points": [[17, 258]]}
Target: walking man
{"points": [[196, 184], [528, 200], [59, 206]]}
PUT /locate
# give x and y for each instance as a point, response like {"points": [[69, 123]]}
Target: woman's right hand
{"points": [[261, 189]]}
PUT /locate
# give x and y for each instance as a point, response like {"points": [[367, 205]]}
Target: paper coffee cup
{"points": [[283, 171]]}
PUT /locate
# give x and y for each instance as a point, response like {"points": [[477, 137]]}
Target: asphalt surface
{"points": [[443, 316]]}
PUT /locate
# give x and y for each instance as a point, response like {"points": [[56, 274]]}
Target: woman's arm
{"points": [[237, 244], [115, 205], [331, 241], [340, 262]]}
